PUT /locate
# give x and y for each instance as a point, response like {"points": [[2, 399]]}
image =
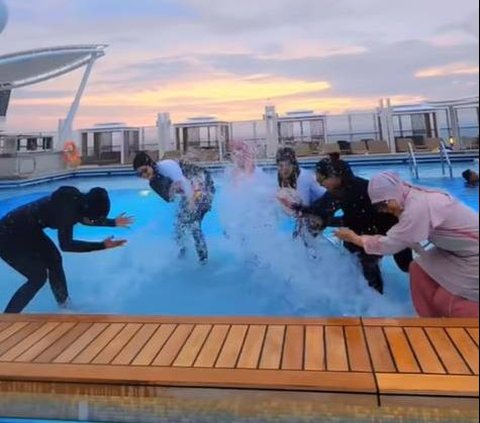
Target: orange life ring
{"points": [[70, 154]]}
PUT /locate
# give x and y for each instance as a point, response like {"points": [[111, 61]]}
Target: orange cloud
{"points": [[448, 70]]}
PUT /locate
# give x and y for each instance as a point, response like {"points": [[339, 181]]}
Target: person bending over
{"points": [[27, 249], [195, 187]]}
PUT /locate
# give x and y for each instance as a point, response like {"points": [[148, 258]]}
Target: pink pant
{"points": [[432, 300]]}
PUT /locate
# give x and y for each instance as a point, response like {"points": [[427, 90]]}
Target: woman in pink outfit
{"points": [[444, 279]]}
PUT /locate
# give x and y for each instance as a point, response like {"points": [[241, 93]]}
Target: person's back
{"points": [[358, 211], [43, 213]]}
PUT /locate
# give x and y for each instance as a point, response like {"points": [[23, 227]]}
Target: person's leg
{"points": [[181, 225], [450, 305], [198, 236], [199, 239], [56, 275], [33, 268], [462, 307], [370, 267], [423, 290]]}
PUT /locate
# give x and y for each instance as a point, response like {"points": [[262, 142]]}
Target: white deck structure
{"points": [[34, 66]]}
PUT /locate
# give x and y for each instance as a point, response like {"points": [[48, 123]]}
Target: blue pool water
{"points": [[256, 270]]}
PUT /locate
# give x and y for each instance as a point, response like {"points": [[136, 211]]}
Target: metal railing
{"points": [[445, 159], [412, 161]]}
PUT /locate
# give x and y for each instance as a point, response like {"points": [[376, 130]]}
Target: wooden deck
{"points": [[378, 357]]}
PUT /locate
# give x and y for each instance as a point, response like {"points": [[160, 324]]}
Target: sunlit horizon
{"points": [[229, 59]]}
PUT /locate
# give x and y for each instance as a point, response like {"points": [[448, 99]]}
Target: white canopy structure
{"points": [[31, 67]]}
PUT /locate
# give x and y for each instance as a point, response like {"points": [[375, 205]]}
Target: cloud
{"points": [[448, 70], [225, 57]]}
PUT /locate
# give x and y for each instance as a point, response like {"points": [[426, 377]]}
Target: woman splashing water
{"points": [[196, 189], [444, 279], [27, 249]]}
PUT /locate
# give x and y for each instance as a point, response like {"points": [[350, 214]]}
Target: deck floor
{"points": [[381, 357]]}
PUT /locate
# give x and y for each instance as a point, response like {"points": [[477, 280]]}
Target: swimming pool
{"points": [[255, 270]]}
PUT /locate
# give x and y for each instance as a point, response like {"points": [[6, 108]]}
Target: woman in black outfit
{"points": [[26, 248]]}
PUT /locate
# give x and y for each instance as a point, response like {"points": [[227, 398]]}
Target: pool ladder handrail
{"points": [[412, 161], [445, 159]]}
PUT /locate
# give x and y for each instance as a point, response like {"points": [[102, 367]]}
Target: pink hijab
{"points": [[387, 186], [422, 213]]}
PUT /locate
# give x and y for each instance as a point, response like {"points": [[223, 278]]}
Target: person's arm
{"points": [[68, 244], [325, 207], [67, 217], [120, 221], [378, 245], [104, 222]]}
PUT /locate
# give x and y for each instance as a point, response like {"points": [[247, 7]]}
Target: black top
{"points": [[358, 211], [61, 210]]}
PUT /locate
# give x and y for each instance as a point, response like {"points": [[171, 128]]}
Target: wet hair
{"points": [[97, 203], [142, 159], [338, 168], [288, 155], [334, 156], [467, 174]]}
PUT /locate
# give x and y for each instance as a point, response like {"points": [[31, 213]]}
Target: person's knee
{"points": [[39, 278]]}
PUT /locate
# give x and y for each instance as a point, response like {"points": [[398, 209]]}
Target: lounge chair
{"points": [[359, 147], [433, 144], [402, 144], [378, 147]]}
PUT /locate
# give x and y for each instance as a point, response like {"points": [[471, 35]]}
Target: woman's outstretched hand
{"points": [[114, 243], [348, 235], [124, 221]]}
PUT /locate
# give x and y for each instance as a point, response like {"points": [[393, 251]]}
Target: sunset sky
{"points": [[230, 58]]}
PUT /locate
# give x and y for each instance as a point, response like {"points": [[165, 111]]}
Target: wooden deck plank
{"points": [[466, 346], [150, 350], [193, 377], [449, 356], [192, 346], [4, 325], [474, 334], [220, 320], [252, 348], [11, 329], [56, 348], [422, 322], [233, 345], [46, 341], [402, 353], [336, 349], [314, 348], [169, 352], [357, 350], [426, 356], [293, 350], [214, 343], [98, 344], [133, 347], [272, 348], [29, 341], [78, 345], [117, 343], [414, 384], [379, 351], [19, 335], [127, 351]]}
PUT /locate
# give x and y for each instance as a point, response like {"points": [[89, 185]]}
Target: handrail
{"points": [[412, 161], [445, 159]]}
